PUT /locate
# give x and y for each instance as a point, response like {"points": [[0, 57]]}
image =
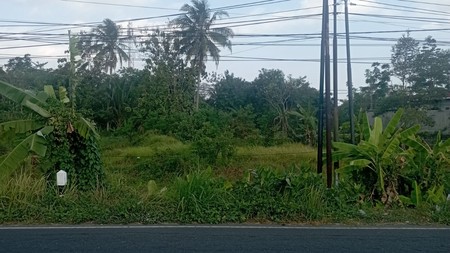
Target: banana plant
{"points": [[380, 151], [429, 163], [37, 129]]}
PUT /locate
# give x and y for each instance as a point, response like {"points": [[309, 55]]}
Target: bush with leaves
{"points": [[213, 145], [393, 161], [64, 139]]}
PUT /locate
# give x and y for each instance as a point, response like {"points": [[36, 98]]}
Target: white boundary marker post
{"points": [[61, 181]]}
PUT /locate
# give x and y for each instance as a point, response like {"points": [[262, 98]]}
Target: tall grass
{"points": [[198, 196], [19, 195], [282, 156]]}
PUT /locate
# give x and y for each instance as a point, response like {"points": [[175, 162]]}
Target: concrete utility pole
{"points": [[328, 120], [130, 42], [72, 84], [349, 76], [335, 82], [325, 75], [321, 85]]}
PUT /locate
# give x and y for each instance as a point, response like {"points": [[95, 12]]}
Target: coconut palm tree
{"points": [[108, 46], [199, 40]]}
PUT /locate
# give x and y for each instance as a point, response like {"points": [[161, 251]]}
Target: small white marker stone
{"points": [[61, 178]]}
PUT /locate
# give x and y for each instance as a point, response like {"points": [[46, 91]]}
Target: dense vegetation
{"points": [[179, 144]]}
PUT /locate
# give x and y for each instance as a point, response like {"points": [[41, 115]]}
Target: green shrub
{"points": [[166, 164], [213, 145], [199, 197], [214, 150], [266, 194]]}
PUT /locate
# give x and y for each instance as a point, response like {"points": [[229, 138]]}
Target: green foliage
{"points": [[29, 199], [263, 194], [105, 45], [26, 73], [167, 163], [70, 150], [442, 214], [198, 197], [213, 146], [379, 155], [267, 194], [243, 127], [395, 164]]}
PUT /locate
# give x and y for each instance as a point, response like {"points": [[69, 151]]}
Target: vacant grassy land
{"points": [[157, 179]]}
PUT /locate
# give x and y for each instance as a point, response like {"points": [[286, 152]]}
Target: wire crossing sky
{"points": [[281, 34]]}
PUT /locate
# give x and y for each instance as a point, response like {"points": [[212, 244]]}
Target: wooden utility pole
{"points": [[349, 76]]}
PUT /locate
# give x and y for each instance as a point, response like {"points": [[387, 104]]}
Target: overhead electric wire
{"points": [[398, 10], [271, 13], [400, 17], [244, 58], [120, 5], [424, 2], [29, 46], [236, 6], [250, 4], [264, 21], [51, 39], [257, 3], [405, 7], [353, 33]]}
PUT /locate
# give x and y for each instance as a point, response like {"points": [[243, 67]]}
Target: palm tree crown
{"points": [[198, 39], [108, 46]]}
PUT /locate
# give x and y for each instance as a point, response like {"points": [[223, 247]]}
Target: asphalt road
{"points": [[223, 239]]}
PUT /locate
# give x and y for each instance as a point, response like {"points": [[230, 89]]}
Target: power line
{"points": [[353, 33], [271, 13], [399, 17], [425, 3], [405, 7], [30, 46], [264, 21], [250, 4], [399, 10], [297, 59], [119, 5], [229, 7]]}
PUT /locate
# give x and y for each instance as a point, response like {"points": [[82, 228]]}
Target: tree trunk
{"points": [[197, 93]]}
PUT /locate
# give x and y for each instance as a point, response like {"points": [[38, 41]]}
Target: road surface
{"points": [[223, 239]]}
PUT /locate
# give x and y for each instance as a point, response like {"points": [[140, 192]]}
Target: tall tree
{"points": [[431, 68], [231, 93], [378, 80], [170, 85], [106, 45], [278, 93], [403, 56], [199, 40], [25, 73]]}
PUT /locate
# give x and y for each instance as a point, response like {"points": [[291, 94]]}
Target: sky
{"points": [[271, 34]]}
